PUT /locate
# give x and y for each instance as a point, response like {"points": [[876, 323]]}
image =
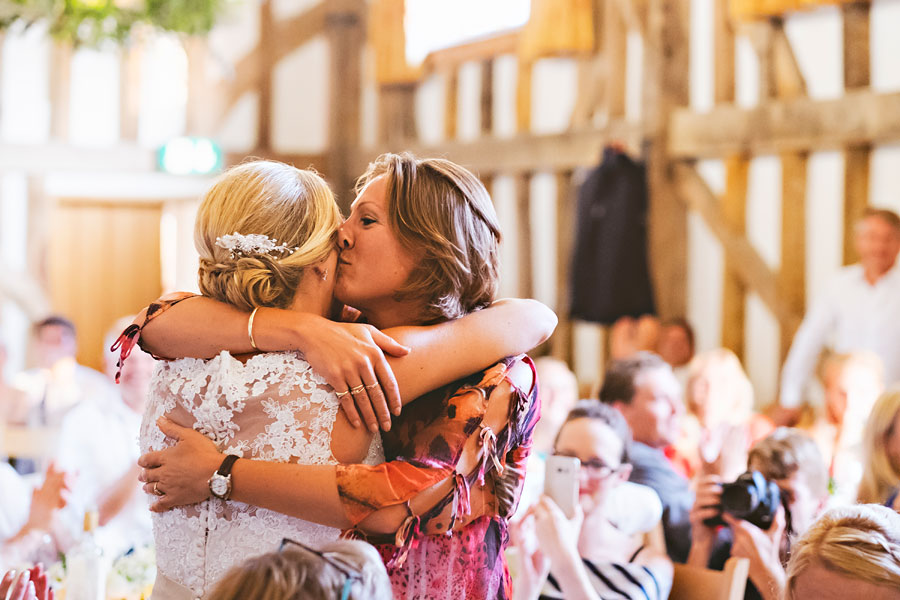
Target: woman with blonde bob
{"points": [[851, 552], [881, 450], [421, 246], [342, 570]]}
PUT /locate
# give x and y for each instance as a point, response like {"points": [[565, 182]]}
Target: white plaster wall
{"points": [[468, 114], [24, 88], [13, 243], [94, 93], [300, 99], [505, 77]]}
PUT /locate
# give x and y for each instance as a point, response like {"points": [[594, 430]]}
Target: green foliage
{"points": [[89, 22]]}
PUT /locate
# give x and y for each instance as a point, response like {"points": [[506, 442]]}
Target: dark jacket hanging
{"points": [[610, 273]]}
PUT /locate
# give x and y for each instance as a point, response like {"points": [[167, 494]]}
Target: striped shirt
{"points": [[613, 581]]}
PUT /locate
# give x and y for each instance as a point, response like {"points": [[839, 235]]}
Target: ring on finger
{"points": [[156, 489], [341, 394], [372, 386], [357, 389]]}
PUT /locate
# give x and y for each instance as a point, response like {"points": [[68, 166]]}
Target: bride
{"points": [[266, 237]]}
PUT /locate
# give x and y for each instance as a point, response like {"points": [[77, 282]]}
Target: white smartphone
{"points": [[561, 482]]}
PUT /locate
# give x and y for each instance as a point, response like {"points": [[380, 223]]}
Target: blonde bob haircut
{"points": [[859, 542], [297, 574], [293, 206], [442, 213], [880, 475]]}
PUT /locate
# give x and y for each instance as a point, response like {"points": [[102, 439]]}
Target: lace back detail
{"points": [[273, 407]]}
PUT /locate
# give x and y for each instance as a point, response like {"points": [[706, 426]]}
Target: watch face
{"points": [[218, 485]]}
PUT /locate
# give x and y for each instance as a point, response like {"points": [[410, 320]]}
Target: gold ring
{"points": [[156, 489], [341, 394], [357, 389], [372, 386]]}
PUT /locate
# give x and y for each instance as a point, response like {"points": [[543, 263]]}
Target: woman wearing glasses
{"points": [[607, 550], [421, 246]]}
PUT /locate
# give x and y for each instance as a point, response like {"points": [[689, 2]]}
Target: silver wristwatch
{"points": [[220, 482]]}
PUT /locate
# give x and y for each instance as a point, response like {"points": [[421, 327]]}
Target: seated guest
{"points": [[596, 554], [881, 451], [27, 515], [644, 390], [851, 552], [342, 570], [852, 383], [29, 584], [719, 402], [559, 393], [789, 458], [676, 346], [98, 440]]}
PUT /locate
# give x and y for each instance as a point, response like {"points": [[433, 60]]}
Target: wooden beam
{"points": [[396, 116], [480, 50], [789, 79], [319, 162], [856, 196], [60, 89], [856, 44], [803, 125], [524, 243], [561, 341], [61, 157], [346, 33], [749, 265], [792, 272], [524, 152], [734, 217]]}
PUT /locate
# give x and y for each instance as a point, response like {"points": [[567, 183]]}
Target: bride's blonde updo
{"points": [[293, 208]]}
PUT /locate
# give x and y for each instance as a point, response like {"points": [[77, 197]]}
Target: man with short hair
{"points": [[791, 459], [644, 390], [860, 309]]}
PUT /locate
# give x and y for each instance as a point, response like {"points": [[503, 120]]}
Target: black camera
{"points": [[752, 498]]}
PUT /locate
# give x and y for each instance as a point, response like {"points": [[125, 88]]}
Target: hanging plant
{"points": [[89, 22]]}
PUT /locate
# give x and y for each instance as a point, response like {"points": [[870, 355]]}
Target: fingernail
{"points": [[373, 427], [355, 423], [396, 411], [386, 425]]}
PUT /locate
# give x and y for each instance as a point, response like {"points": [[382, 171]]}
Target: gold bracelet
{"points": [[250, 328]]}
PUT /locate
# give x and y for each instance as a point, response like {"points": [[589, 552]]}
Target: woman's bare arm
{"points": [[440, 354]]}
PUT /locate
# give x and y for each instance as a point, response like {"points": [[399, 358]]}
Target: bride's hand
{"points": [[180, 474], [350, 356]]}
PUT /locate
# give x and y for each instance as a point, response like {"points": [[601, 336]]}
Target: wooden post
{"points": [[396, 107], [203, 103], [565, 236], [615, 39], [345, 33], [792, 274], [487, 97], [60, 89], [723, 49], [451, 104], [523, 97], [734, 292], [524, 237], [266, 68], [665, 87], [856, 158]]}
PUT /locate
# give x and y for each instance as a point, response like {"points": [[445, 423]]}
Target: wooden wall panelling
{"points": [[666, 65], [856, 157], [345, 32], [60, 91], [734, 291], [561, 341], [104, 263]]}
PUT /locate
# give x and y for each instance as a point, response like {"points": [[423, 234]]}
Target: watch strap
{"points": [[225, 468]]}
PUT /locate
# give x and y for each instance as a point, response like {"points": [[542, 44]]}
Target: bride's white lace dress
{"points": [[273, 407]]}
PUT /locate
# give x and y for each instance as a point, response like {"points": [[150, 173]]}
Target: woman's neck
{"points": [[393, 314], [312, 296]]}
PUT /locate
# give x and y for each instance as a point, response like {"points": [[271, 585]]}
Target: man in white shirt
{"points": [[860, 309]]}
